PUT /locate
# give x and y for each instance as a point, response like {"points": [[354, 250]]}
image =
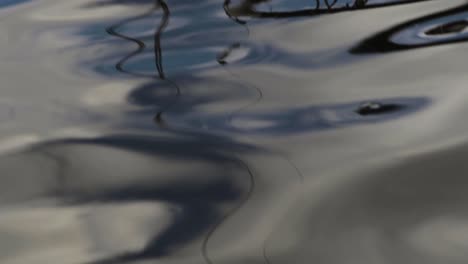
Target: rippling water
{"points": [[247, 131]]}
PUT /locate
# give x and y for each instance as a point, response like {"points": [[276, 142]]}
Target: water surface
{"points": [[169, 131]]}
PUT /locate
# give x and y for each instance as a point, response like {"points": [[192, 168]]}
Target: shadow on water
{"points": [[205, 198]]}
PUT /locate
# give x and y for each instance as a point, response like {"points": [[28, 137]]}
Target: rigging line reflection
{"points": [[112, 30], [231, 212], [300, 175], [221, 59], [157, 39], [159, 65], [158, 119]]}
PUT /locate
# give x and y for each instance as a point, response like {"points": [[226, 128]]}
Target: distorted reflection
{"points": [[221, 57], [189, 43], [306, 119], [147, 172], [452, 27], [375, 108], [247, 8], [435, 29]]}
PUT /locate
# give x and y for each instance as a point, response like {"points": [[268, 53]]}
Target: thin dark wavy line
{"points": [[250, 104], [230, 213], [157, 38], [158, 118], [301, 180], [243, 163], [223, 63], [159, 66], [112, 30]]}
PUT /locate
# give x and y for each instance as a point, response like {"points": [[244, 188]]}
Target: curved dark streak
{"points": [[381, 43], [452, 27], [298, 171], [221, 60], [221, 57], [230, 213], [159, 66], [254, 102], [301, 180], [157, 39], [317, 11], [228, 13], [210, 233], [112, 30], [158, 118], [235, 19]]}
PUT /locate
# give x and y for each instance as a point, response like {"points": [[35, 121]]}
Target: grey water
{"points": [[233, 131]]}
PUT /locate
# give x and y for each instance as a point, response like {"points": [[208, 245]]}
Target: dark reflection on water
{"points": [[247, 8], [309, 119], [157, 50], [185, 49], [378, 108], [141, 46], [435, 29], [189, 49], [201, 197], [154, 95]]}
